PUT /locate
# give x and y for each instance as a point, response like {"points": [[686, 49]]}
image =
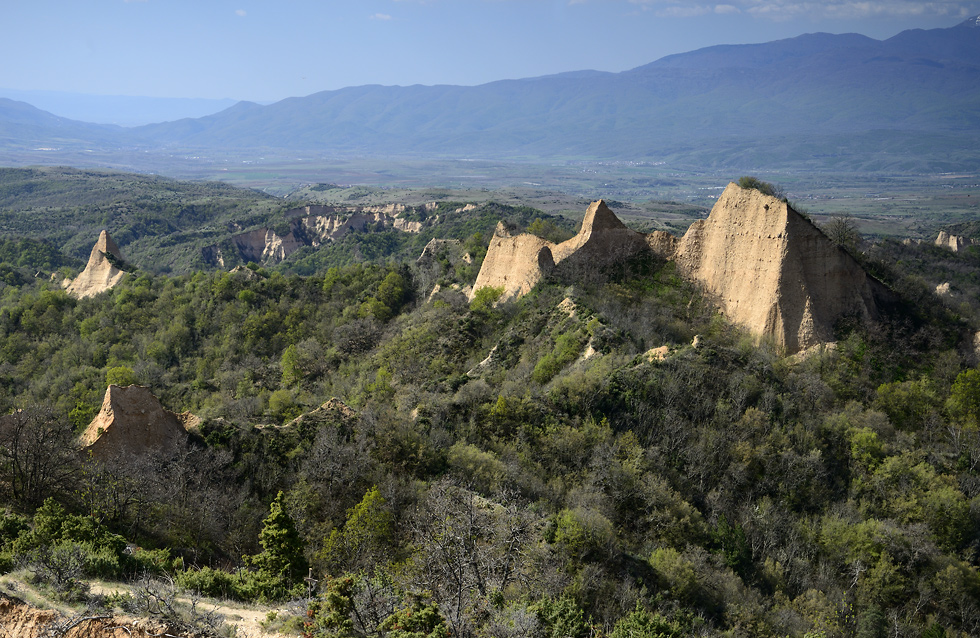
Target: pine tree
{"points": [[281, 564]]}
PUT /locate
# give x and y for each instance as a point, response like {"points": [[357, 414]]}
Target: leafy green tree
{"points": [[418, 621], [731, 542], [871, 623], [331, 613], [644, 624], [120, 375], [485, 298], [365, 538], [963, 404], [584, 533], [763, 187], [561, 617], [907, 403]]}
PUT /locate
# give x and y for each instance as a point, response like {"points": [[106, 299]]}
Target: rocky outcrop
{"points": [[313, 226], [603, 239], [773, 272], [768, 268], [953, 242], [101, 272], [517, 263], [132, 422], [333, 411]]}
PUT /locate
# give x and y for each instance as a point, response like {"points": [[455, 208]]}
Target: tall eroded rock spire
{"points": [[100, 272]]}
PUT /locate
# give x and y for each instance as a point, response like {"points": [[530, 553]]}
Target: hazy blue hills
{"points": [[22, 125], [122, 110], [911, 102]]}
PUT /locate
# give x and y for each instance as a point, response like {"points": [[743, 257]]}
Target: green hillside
{"points": [[525, 469]]}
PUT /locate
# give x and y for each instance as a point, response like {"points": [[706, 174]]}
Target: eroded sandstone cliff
{"points": [[132, 422], [101, 272], [768, 268], [517, 263], [773, 272], [953, 242], [314, 226]]}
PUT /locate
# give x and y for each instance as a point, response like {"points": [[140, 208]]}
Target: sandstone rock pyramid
{"points": [[100, 273], [132, 422], [517, 263], [768, 268], [773, 272], [953, 242]]}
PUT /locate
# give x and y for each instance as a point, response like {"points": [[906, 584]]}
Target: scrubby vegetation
{"points": [[519, 469]]}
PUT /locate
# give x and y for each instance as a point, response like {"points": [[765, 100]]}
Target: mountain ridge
{"points": [[917, 83]]}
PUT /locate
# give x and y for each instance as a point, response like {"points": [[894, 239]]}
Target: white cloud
{"points": [[682, 11], [240, 13], [786, 9], [381, 16]]}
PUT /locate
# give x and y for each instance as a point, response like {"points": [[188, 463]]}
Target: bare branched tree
{"points": [[843, 231], [37, 454]]}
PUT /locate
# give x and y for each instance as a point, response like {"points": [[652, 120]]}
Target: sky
{"points": [[267, 50]]}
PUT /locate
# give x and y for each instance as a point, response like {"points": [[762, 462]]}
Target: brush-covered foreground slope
{"points": [[567, 464]]}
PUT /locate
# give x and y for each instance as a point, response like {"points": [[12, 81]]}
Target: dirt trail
{"points": [[246, 619]]}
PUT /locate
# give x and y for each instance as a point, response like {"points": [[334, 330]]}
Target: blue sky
{"points": [[266, 50]]}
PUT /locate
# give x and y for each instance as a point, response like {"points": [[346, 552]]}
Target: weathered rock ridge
{"points": [[314, 226], [774, 272], [517, 263], [132, 422], [953, 242], [101, 272], [769, 269]]}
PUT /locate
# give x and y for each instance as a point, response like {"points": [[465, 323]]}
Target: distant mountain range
{"points": [[908, 103], [123, 110]]}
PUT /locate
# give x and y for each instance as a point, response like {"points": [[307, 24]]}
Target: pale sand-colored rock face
{"points": [[314, 226], [768, 269], [132, 421], [99, 274], [772, 271], [518, 263], [953, 242], [514, 263]]}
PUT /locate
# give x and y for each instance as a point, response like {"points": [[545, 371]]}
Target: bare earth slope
{"points": [[100, 273]]}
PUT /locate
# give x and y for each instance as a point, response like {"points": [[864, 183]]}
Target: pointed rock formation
{"points": [[515, 263], [768, 268], [773, 272], [132, 422], [953, 242], [602, 240], [100, 273], [518, 262]]}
